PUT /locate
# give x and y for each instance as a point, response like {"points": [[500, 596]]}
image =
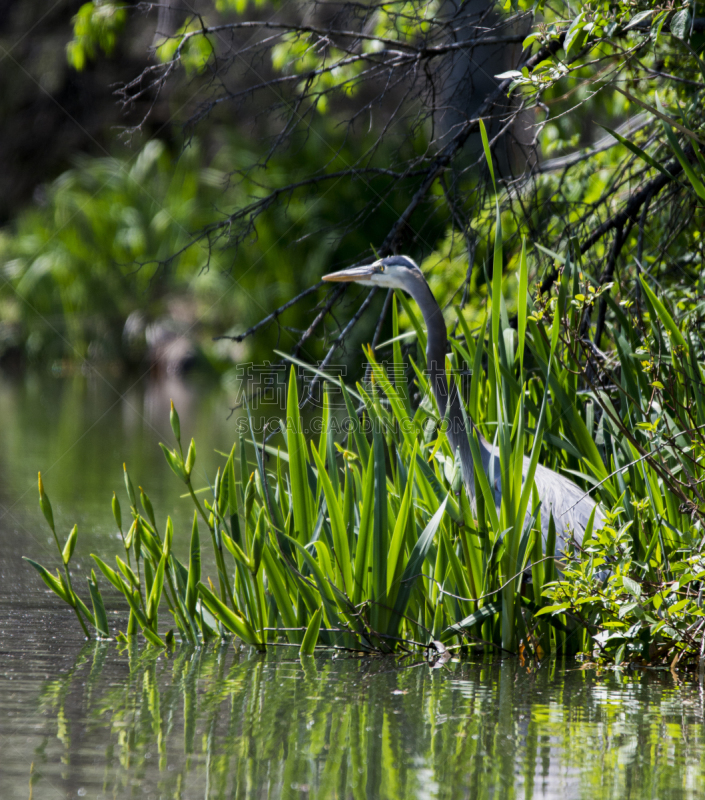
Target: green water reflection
{"points": [[78, 431], [219, 723]]}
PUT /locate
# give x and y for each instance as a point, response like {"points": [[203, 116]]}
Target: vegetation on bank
{"points": [[369, 543]]}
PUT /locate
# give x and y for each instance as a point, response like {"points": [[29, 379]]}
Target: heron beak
{"points": [[361, 273]]}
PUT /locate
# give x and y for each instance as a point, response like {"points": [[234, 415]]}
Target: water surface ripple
{"points": [[94, 720]]}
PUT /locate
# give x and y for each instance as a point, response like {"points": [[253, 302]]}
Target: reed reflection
{"points": [[222, 723]]}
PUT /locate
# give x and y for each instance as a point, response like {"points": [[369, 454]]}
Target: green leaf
{"points": [[231, 620], [55, 584], [478, 616], [327, 376], [399, 370], [174, 461], [497, 264], [127, 572], [364, 533], [639, 18], [662, 312], [155, 595], [190, 458], [430, 485], [129, 487], [337, 524], [99, 615], [298, 462], [277, 586], [556, 608], [523, 300], [631, 586], [109, 573], [194, 567], [396, 401], [168, 538], [45, 505], [363, 447], [681, 23], [175, 422], [589, 528], [70, 545], [308, 644], [227, 501], [396, 547], [379, 530], [413, 318], [236, 551], [413, 568], [535, 450], [331, 597], [575, 34], [133, 600], [488, 153], [117, 513], [258, 542], [695, 181], [643, 155]]}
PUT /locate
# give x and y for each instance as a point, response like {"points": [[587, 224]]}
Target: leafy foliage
{"points": [[373, 545], [114, 236], [97, 25]]}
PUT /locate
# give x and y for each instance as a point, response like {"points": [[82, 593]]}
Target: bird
{"points": [[559, 497]]}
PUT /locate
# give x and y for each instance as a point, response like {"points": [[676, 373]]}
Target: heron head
{"points": [[393, 272]]}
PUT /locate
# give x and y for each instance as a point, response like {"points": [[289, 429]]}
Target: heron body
{"points": [[559, 496]]}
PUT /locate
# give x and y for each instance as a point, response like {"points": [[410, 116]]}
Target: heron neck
{"points": [[436, 348], [436, 339]]}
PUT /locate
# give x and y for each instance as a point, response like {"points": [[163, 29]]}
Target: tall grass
{"points": [[370, 543]]}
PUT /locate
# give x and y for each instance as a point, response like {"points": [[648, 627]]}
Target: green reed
{"points": [[369, 542]]}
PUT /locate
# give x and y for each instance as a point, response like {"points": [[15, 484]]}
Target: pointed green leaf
{"points": [[488, 153], [413, 568], [155, 595], [298, 463], [101, 618], [364, 533], [664, 316], [310, 639], [231, 620], [109, 573], [51, 581], [194, 567], [337, 523]]}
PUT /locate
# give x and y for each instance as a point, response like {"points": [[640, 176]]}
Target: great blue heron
{"points": [[570, 506]]}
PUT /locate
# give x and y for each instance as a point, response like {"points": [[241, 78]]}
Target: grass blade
{"points": [[298, 463], [101, 618], [337, 523], [413, 569], [308, 644], [231, 620], [194, 568]]}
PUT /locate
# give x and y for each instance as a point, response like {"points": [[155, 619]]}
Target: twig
{"points": [[271, 317]]}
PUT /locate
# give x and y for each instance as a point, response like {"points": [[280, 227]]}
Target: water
{"points": [[99, 721], [94, 721]]}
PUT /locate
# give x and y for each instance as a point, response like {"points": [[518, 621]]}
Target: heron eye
{"points": [[380, 268]]}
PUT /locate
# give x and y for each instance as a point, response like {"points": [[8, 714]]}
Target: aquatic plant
{"points": [[369, 542]]}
